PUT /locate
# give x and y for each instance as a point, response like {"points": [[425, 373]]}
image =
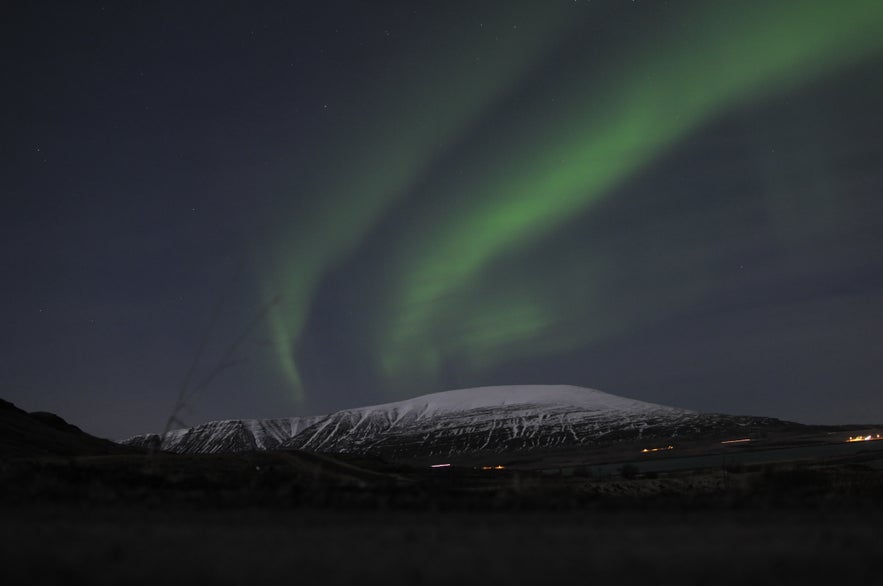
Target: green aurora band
{"points": [[438, 96], [665, 88]]}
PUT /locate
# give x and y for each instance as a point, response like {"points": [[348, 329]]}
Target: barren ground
{"points": [[113, 545]]}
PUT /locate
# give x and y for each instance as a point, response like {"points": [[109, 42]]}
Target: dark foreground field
{"points": [[126, 545], [297, 518]]}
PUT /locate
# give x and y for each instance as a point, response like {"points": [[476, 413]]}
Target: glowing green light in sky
{"points": [[422, 111], [662, 90]]}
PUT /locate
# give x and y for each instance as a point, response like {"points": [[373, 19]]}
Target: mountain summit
{"points": [[486, 418]]}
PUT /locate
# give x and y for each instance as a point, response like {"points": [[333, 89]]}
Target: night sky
{"points": [[309, 206]]}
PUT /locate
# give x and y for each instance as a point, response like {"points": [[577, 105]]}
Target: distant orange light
{"points": [[498, 467], [648, 450], [866, 438]]}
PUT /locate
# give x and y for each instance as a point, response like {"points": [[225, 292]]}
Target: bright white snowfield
{"points": [[525, 395]]}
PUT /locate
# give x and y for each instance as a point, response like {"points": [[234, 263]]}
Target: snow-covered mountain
{"points": [[484, 419]]}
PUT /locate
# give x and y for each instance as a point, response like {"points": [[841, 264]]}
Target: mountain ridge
{"points": [[464, 421]]}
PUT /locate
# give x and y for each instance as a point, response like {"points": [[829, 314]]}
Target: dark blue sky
{"points": [[674, 202]]}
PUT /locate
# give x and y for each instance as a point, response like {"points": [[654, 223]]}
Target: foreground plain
{"points": [[125, 545]]}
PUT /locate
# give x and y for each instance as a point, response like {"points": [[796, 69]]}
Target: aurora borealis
{"points": [[429, 115], [599, 138], [673, 201]]}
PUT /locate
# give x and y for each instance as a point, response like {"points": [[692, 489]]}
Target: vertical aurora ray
{"points": [[367, 169], [609, 128]]}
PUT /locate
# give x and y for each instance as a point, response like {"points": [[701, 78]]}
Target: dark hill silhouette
{"points": [[24, 434]]}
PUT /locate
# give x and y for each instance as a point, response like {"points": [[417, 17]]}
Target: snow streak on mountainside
{"points": [[228, 436]]}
